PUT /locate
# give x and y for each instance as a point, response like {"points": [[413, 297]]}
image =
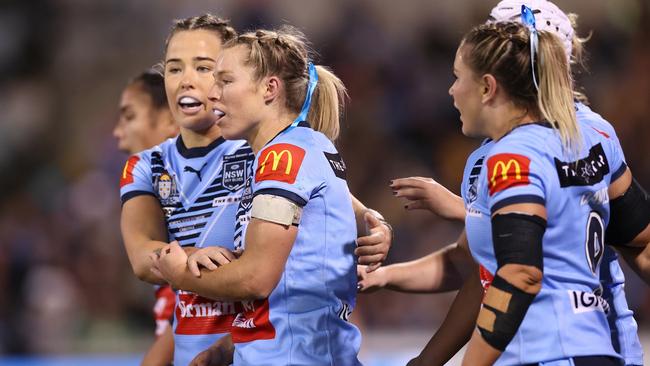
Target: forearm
{"points": [[433, 273], [141, 263], [235, 281], [456, 329], [359, 211], [638, 259]]}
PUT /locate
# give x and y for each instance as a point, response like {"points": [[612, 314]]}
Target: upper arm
{"points": [[268, 246]]}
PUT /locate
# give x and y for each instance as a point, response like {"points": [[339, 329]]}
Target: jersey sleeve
{"points": [[515, 174], [619, 166], [287, 170], [135, 179]]}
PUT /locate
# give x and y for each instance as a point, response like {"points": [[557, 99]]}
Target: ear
{"points": [[272, 86], [488, 88]]}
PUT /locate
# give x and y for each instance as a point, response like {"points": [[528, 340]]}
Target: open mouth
{"points": [[190, 105], [218, 113]]}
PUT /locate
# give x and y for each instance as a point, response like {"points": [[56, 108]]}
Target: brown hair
{"points": [[503, 50], [206, 21], [285, 53]]}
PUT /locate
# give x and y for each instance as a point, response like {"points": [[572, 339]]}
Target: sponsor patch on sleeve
{"points": [[337, 164], [279, 162], [127, 172], [506, 171]]}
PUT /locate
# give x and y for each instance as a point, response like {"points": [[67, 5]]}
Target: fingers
{"points": [[416, 205], [372, 239], [371, 220], [373, 267], [411, 193], [193, 265], [410, 182], [370, 259]]}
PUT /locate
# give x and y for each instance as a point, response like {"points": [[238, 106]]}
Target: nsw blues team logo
{"points": [[234, 175], [165, 185]]}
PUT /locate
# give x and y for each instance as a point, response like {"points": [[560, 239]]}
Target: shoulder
{"points": [[593, 121], [524, 140]]}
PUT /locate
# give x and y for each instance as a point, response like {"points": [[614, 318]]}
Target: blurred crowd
{"points": [[65, 280]]}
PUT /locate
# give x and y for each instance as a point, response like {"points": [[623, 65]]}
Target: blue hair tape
{"points": [[528, 19], [311, 86]]}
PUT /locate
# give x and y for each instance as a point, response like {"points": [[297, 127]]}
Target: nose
{"points": [[186, 82], [215, 93], [117, 130], [451, 90]]}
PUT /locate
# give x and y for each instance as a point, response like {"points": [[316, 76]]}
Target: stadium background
{"points": [[65, 283]]}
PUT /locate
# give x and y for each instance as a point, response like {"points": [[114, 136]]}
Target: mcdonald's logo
{"points": [[280, 162], [127, 172], [507, 170]]}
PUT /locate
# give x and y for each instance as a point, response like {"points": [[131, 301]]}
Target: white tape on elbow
{"points": [[276, 209]]}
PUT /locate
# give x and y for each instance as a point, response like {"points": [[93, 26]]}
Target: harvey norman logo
{"points": [[507, 170], [280, 162]]}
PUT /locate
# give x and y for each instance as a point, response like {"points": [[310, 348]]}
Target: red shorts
{"points": [[163, 309]]}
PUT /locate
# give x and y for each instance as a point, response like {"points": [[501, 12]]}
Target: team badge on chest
{"points": [[165, 185], [234, 175]]}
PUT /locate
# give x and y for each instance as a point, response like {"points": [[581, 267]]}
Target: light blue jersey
{"points": [[305, 319], [199, 190], [567, 317], [625, 337]]}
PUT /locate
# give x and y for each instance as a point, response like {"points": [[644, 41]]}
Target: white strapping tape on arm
{"points": [[276, 209]]}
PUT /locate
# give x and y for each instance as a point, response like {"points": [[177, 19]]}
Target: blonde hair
{"points": [[285, 53], [503, 50]]}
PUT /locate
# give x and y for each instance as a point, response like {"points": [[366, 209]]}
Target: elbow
{"points": [[141, 272], [258, 287]]}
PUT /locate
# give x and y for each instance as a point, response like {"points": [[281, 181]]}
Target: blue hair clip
{"points": [[311, 86], [528, 19]]}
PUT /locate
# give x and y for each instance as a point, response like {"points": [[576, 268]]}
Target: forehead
{"points": [[188, 44], [134, 94], [233, 58], [459, 60]]}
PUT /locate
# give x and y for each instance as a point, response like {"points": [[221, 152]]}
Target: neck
{"points": [[268, 128], [507, 118], [193, 138]]}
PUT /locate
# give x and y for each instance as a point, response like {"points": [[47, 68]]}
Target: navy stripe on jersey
{"points": [[133, 194], [617, 174], [202, 208], [524, 198], [472, 189], [282, 193]]}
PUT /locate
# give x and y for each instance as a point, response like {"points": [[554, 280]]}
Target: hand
{"points": [[170, 263], [210, 258], [370, 282], [427, 194], [372, 249], [210, 357], [414, 362]]}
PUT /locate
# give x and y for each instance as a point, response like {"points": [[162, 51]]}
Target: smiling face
{"points": [[466, 92], [238, 99], [189, 65]]}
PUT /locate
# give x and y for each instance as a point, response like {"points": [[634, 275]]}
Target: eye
{"points": [[129, 116], [173, 70], [204, 69]]}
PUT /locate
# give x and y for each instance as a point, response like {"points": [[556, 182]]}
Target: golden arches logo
{"points": [[276, 160], [126, 169], [505, 167]]}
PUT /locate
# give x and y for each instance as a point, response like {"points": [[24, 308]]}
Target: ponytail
{"points": [[555, 96], [327, 103]]}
